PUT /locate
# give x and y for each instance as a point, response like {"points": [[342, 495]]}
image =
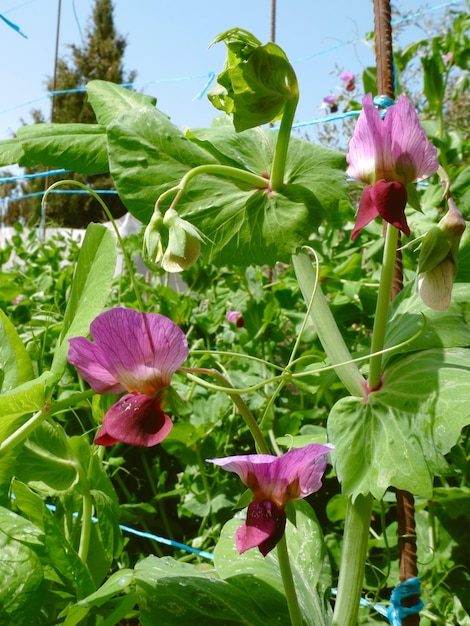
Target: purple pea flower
{"points": [[386, 155], [137, 353], [274, 481], [235, 317], [331, 102], [350, 80]]}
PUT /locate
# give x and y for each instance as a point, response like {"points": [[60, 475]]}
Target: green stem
{"points": [[85, 534], [353, 560], [127, 259], [383, 302], [326, 327], [288, 582], [225, 171], [23, 431], [245, 412], [282, 143]]}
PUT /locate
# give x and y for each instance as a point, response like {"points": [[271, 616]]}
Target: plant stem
{"points": [[225, 171], [288, 582], [326, 327], [23, 431], [245, 412], [353, 559], [383, 302], [282, 143]]}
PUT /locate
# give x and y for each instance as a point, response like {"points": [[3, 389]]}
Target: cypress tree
{"points": [[99, 57]]}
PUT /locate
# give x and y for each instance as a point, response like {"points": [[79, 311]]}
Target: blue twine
{"points": [[151, 536], [14, 26], [383, 101], [210, 79], [11, 179], [396, 611]]}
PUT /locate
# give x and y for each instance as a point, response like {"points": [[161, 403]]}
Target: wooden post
{"points": [[405, 500]]}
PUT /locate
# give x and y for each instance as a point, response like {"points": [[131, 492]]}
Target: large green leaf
{"points": [[15, 364], [308, 558], [398, 437], [11, 151], [147, 155], [79, 147], [243, 224], [21, 575], [91, 284], [26, 398], [433, 329], [46, 461], [173, 593], [109, 101]]}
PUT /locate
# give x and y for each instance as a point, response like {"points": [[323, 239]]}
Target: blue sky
{"points": [[168, 47]]}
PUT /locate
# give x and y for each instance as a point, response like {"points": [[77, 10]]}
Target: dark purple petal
{"points": [[264, 527], [367, 211], [387, 199], [135, 419], [93, 365], [390, 199]]}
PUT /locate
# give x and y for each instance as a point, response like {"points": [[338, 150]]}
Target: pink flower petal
{"points": [[367, 145], [140, 351], [414, 158], [264, 527], [93, 365], [135, 419], [279, 479]]}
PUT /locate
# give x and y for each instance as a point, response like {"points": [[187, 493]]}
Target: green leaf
{"points": [[11, 151], [46, 461], [309, 563], [243, 225], [21, 580], [15, 364], [61, 553], [26, 398], [398, 438], [109, 101], [121, 582], [78, 147], [440, 329], [147, 150], [91, 285], [173, 593]]}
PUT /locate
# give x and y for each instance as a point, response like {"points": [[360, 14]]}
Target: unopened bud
{"points": [[184, 243], [153, 247], [438, 257]]}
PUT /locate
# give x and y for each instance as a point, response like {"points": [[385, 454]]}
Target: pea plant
{"points": [[259, 398]]}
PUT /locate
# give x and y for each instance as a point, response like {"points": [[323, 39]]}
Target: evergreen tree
{"points": [[99, 57]]}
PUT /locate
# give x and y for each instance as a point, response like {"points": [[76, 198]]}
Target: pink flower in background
{"points": [[386, 155], [350, 81], [274, 481], [448, 58], [331, 102], [235, 317], [132, 352]]}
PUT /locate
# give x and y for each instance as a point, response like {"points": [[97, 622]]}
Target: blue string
{"points": [[14, 26], [383, 101], [396, 611], [11, 179], [210, 79]]}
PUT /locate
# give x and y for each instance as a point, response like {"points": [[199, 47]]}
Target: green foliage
{"points": [[63, 498]]}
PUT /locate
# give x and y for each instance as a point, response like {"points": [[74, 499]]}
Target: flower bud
{"points": [[153, 247], [438, 259], [184, 243]]}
